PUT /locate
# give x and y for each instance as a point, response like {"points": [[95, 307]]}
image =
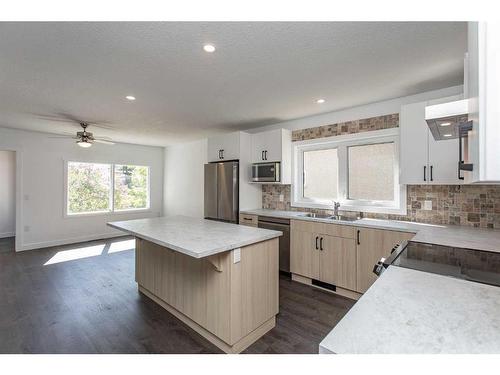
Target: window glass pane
{"points": [[89, 187], [321, 174], [371, 172], [131, 187]]}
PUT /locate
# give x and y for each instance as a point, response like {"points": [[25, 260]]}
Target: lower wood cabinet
{"points": [[373, 244], [340, 255], [323, 257]]}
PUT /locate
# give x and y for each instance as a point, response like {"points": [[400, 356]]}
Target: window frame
{"points": [[112, 210], [341, 143]]}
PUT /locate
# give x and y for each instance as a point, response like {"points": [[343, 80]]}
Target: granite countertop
{"points": [[445, 235], [195, 237], [409, 311]]}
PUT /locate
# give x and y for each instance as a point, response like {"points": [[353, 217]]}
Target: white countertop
{"points": [[195, 237], [409, 311], [446, 235]]}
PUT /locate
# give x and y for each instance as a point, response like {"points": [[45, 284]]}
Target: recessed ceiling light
{"points": [[320, 101], [447, 135], [446, 124], [209, 48], [130, 97]]}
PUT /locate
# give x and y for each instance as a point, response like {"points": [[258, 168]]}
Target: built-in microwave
{"points": [[266, 172]]}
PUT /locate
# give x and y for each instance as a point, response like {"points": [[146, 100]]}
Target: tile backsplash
{"points": [[472, 205]]}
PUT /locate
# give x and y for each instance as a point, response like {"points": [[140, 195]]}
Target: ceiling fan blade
{"points": [[103, 141], [63, 136]]}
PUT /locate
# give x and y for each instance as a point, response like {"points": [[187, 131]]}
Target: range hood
{"points": [[444, 119]]}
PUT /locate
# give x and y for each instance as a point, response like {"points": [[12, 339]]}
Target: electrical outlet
{"points": [[236, 255], [428, 205], [282, 197]]}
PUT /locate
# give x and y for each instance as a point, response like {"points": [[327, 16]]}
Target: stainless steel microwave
{"points": [[266, 172]]}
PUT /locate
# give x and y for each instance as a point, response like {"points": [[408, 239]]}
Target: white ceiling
{"points": [[261, 73]]}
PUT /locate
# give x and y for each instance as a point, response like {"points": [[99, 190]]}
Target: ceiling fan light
{"points": [[84, 144]]}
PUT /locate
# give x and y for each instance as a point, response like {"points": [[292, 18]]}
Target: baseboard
{"points": [[68, 241], [7, 234]]}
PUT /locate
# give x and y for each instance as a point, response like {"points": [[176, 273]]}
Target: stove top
{"points": [[467, 264]]}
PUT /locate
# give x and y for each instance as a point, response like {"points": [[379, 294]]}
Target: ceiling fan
{"points": [[83, 138]]}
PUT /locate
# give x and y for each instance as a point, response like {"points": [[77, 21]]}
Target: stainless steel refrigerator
{"points": [[222, 191]]}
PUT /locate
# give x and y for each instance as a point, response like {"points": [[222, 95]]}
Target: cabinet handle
{"points": [[432, 167], [263, 155], [321, 243], [222, 154], [357, 237], [425, 173], [317, 242], [219, 154]]}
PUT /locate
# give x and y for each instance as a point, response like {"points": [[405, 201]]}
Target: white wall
{"points": [[360, 112], [7, 193], [40, 166], [183, 186]]}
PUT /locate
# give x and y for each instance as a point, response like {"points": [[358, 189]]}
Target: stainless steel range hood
{"points": [[444, 119]]}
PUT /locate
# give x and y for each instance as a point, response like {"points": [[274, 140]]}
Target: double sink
{"points": [[329, 217]]}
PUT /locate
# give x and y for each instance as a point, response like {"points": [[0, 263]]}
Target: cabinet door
{"points": [[374, 244], [443, 161], [414, 144], [304, 257], [337, 261], [266, 146], [224, 147]]}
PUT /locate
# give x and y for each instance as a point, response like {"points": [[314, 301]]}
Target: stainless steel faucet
{"points": [[336, 206]]}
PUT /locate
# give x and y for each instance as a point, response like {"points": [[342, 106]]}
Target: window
{"points": [[131, 187], [371, 172], [361, 171], [94, 188], [321, 174]]}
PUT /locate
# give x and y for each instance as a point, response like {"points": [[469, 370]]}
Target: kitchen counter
{"points": [[446, 235], [409, 311], [195, 237], [220, 279]]}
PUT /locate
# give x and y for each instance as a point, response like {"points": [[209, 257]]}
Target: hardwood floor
{"points": [[83, 299]]}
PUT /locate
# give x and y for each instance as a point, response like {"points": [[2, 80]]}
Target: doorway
{"points": [[7, 200]]}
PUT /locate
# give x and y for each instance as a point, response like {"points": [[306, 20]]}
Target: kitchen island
{"points": [[220, 279]]}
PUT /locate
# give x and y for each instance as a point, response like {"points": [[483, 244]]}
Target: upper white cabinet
{"points": [[423, 160], [224, 147], [482, 148], [274, 146]]}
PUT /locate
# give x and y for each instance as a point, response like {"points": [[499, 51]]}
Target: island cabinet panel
{"points": [[230, 302], [374, 244]]}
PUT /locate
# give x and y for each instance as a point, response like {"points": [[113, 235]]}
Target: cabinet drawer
{"points": [[336, 230], [250, 220]]}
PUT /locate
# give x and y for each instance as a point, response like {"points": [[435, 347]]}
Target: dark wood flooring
{"points": [[91, 305]]}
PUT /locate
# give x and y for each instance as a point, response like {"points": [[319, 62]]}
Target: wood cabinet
{"points": [[224, 147], [324, 257], [423, 160], [274, 146], [249, 220], [373, 244]]}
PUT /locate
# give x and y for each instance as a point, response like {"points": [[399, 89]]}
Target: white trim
{"points": [[112, 210], [341, 143]]}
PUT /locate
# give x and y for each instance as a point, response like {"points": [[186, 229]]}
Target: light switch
{"points": [[236, 255], [282, 197]]}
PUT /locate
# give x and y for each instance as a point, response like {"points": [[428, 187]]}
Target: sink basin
{"points": [[329, 217]]}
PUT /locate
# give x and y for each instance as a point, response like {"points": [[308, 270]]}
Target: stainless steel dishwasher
{"points": [[282, 225]]}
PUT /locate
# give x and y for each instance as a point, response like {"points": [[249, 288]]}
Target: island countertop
{"points": [[195, 237], [409, 311]]}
